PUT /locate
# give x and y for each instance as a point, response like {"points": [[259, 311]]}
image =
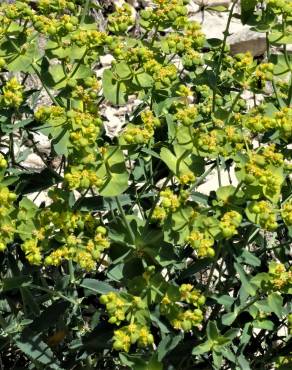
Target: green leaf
{"points": [[263, 324], [217, 359], [15, 282], [275, 302], [61, 142], [225, 300], [167, 344], [115, 173], [249, 258], [113, 90], [212, 330], [123, 71], [143, 80], [32, 345], [50, 316], [202, 348], [231, 333], [174, 162], [228, 318], [247, 8], [247, 286], [279, 38], [243, 363], [96, 286]]}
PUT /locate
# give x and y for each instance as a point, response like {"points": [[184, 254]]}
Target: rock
{"points": [[242, 38], [114, 124], [247, 40], [193, 8], [212, 183], [33, 162], [214, 23], [42, 142], [204, 3], [40, 197], [106, 60]]}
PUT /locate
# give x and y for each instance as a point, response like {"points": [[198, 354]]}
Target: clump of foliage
{"points": [[127, 264]]}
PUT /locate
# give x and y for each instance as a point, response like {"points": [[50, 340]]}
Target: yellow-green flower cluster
{"points": [[264, 72], [121, 19], [12, 93], [286, 213], [280, 277], [92, 39], [52, 26], [7, 223], [169, 203], [62, 234], [281, 6], [229, 223], [167, 13], [163, 76], [265, 216], [281, 120], [47, 6], [186, 115], [257, 171], [85, 129], [139, 134], [33, 252], [121, 308], [202, 243], [3, 162], [131, 334], [180, 317]]}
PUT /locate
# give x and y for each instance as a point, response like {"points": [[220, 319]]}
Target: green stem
{"points": [[218, 171], [156, 201], [233, 105], [218, 66], [126, 223], [201, 179], [71, 271], [44, 85], [218, 251], [85, 11], [54, 293], [79, 63]]}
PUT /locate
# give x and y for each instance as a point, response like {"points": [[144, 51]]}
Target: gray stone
{"points": [[246, 40], [205, 3]]}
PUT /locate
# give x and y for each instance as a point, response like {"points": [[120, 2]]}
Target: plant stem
{"points": [[213, 267], [218, 66], [126, 223], [218, 171], [54, 293], [44, 86], [85, 11]]}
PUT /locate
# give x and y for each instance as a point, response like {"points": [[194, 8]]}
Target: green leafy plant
{"points": [[128, 263]]}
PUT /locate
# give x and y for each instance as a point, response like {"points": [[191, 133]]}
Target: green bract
{"points": [[162, 241]]}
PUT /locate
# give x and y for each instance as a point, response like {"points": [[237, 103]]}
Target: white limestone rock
{"points": [[204, 3], [247, 40], [33, 162]]}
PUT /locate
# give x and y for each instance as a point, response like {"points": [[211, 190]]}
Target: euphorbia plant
{"points": [[128, 262]]}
